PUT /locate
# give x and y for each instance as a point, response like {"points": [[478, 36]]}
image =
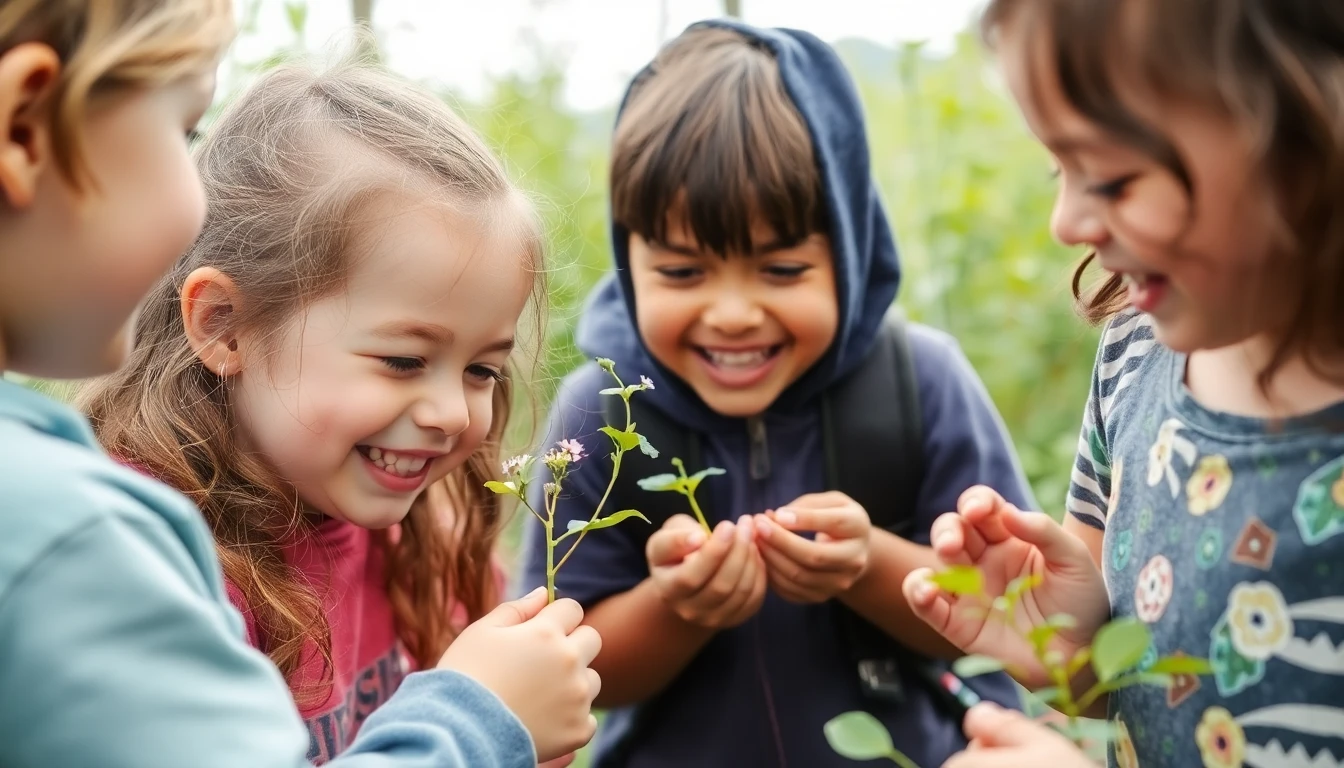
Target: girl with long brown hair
{"points": [[325, 373]]}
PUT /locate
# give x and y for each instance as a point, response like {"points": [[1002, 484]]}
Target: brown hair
{"points": [[108, 44], [709, 133], [285, 168], [1275, 68]]}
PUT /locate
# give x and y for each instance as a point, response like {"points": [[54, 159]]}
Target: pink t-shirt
{"points": [[346, 566]]}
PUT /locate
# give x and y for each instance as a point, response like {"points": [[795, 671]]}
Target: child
{"points": [[755, 267], [1200, 154], [120, 646]]}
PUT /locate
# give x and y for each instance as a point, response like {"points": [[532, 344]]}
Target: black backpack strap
{"points": [[873, 432], [873, 438]]}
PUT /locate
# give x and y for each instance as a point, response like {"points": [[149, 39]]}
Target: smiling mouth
{"points": [[739, 359], [393, 463]]}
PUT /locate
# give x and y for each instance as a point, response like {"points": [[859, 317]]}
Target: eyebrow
{"points": [[411, 329], [764, 249]]}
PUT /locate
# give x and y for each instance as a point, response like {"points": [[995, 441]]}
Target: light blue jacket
{"points": [[119, 648]]}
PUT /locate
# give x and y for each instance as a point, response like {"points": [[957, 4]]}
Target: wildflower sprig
{"points": [[1121, 655], [560, 461]]}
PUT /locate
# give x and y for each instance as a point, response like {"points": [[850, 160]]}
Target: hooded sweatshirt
{"points": [[759, 694]]}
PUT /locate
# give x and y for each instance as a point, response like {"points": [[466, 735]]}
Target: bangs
{"points": [[710, 143]]}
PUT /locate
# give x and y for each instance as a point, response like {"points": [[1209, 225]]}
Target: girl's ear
{"points": [[28, 75], [210, 302]]}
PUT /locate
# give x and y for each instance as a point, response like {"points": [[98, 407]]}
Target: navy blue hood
{"points": [[866, 265]]}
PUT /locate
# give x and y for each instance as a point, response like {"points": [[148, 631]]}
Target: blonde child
{"points": [[1200, 145], [120, 646]]}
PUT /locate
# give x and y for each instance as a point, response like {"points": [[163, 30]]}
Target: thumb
{"points": [[671, 545], [515, 612], [994, 726], [1057, 545]]}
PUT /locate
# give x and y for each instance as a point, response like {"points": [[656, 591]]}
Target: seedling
{"points": [[560, 461], [684, 485]]}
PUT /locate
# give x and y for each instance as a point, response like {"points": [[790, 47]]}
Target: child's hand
{"points": [[535, 658], [716, 582], [1006, 543], [1002, 738], [806, 571]]}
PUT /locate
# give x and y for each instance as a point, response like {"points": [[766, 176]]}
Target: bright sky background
{"points": [[460, 43]]}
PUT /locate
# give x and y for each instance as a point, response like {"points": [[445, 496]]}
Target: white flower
{"points": [[1154, 589], [512, 466], [646, 382]]}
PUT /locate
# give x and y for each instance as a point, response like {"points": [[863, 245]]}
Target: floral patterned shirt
{"points": [[1222, 534]]}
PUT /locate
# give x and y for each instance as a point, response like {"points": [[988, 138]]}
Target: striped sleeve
{"points": [[1127, 339]]}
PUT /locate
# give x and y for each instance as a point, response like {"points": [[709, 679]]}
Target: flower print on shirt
{"points": [[1153, 590], [1170, 443], [1208, 485]]}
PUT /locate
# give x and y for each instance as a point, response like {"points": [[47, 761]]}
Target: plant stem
{"points": [[615, 470], [898, 757], [550, 560], [695, 507]]}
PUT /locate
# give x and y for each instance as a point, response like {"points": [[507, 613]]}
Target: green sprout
{"points": [[1116, 658], [684, 485], [560, 462]]}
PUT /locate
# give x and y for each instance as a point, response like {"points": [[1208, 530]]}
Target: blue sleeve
{"points": [[965, 441], [609, 561], [115, 655]]}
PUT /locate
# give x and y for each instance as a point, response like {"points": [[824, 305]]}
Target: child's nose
{"points": [[1077, 220], [444, 410], [733, 312]]}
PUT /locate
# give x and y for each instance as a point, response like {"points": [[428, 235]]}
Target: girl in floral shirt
{"points": [[1201, 161]]}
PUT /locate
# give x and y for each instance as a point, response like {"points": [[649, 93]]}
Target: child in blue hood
{"points": [[754, 269]]}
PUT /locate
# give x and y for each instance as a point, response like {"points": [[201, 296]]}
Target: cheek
{"points": [[663, 316]]}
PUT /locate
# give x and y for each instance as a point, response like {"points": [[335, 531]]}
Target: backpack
{"points": [[873, 446]]}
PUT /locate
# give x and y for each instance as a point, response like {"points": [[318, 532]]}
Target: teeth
{"points": [[738, 359], [397, 465]]}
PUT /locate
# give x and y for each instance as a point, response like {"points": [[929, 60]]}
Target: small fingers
{"points": [[926, 600], [564, 614], [588, 642]]}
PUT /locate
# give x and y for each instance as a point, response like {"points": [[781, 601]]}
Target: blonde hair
{"points": [[280, 203], [109, 44]]}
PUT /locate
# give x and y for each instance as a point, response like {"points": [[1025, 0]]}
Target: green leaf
{"points": [[976, 665], [509, 488], [660, 483], [858, 736], [693, 482], [1046, 696], [646, 447], [611, 391], [1040, 636], [960, 580], [1160, 680], [1079, 660], [1118, 647], [626, 441], [1181, 665], [610, 520]]}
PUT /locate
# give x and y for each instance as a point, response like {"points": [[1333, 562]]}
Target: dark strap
{"points": [[873, 434]]}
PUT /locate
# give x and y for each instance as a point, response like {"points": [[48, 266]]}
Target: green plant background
{"points": [[968, 192]]}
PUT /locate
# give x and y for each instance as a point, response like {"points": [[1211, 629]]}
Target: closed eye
{"points": [[679, 273], [1112, 190], [403, 364], [485, 373], [786, 270]]}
